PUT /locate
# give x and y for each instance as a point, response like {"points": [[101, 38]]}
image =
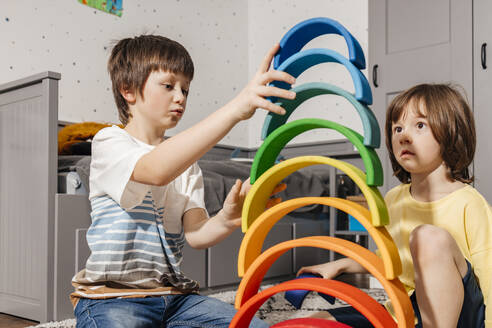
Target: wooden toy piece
{"points": [[296, 64], [299, 35], [365, 304], [276, 141], [259, 194], [297, 296], [309, 323], [371, 262], [372, 134], [252, 242]]}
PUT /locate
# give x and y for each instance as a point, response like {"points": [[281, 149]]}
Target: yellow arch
{"points": [[255, 236], [260, 192], [371, 262]]}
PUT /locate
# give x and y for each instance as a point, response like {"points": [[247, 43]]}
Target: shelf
{"points": [[349, 232]]}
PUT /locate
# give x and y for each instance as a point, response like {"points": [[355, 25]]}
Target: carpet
{"points": [[274, 310]]}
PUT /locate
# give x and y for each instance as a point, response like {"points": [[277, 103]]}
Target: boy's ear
{"points": [[129, 95]]}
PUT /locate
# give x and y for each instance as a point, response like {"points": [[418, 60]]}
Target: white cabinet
{"points": [[482, 94]]}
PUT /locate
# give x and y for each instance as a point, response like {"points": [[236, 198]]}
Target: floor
{"points": [[8, 321], [15, 322]]}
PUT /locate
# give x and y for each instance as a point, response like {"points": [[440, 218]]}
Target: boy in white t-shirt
{"points": [[147, 196]]}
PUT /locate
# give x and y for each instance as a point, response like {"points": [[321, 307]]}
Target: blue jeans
{"points": [[177, 311]]}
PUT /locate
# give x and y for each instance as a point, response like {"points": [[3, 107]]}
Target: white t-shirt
{"points": [[136, 235]]}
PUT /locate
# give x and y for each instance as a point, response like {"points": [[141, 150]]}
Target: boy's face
{"points": [[414, 145], [164, 99]]}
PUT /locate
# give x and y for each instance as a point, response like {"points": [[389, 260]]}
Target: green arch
{"points": [[275, 142], [372, 134]]}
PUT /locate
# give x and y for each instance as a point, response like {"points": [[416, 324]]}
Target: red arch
{"points": [[362, 302]]}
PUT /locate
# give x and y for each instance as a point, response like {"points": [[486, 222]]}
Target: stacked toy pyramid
{"points": [[265, 175]]}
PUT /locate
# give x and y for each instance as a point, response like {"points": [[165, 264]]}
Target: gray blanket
{"points": [[220, 176]]}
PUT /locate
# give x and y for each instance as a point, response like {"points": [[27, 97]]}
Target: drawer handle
{"points": [[483, 55], [375, 76]]}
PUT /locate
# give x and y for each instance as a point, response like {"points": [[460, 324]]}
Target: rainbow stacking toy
{"points": [[265, 175]]}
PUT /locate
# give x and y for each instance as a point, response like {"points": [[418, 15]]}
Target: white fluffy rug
{"points": [[276, 309]]}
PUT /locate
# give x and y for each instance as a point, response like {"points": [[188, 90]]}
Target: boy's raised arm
{"points": [[173, 156]]}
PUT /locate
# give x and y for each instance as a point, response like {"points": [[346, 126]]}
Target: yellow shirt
{"points": [[465, 214]]}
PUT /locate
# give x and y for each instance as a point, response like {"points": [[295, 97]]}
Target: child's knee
{"points": [[429, 241]]}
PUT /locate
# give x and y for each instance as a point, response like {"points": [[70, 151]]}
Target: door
{"points": [[482, 87], [412, 42]]}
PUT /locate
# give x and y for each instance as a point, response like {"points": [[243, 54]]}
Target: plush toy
{"points": [[75, 139]]}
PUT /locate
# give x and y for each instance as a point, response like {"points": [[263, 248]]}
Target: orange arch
{"points": [[362, 302], [255, 236], [371, 262], [309, 322]]}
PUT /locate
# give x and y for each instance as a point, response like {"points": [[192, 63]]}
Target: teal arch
{"points": [[301, 61], [372, 135], [275, 142]]}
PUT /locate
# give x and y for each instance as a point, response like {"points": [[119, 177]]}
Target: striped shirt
{"points": [[136, 236]]}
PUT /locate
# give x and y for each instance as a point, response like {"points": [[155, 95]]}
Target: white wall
{"points": [[226, 38]]}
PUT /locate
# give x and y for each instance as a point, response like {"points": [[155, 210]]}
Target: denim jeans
{"points": [[176, 311]]}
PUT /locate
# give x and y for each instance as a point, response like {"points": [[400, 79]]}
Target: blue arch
{"points": [[301, 61], [303, 32]]}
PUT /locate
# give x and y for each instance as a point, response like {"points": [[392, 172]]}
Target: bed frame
{"points": [[34, 261], [42, 232]]}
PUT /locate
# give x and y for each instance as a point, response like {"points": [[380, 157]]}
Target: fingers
{"points": [[279, 188], [308, 269], [273, 201], [274, 75], [269, 91], [269, 106], [265, 64], [233, 195], [246, 186], [302, 270]]}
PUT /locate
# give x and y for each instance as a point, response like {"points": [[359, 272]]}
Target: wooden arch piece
{"points": [[261, 190], [371, 262], [365, 304], [273, 145], [306, 91], [255, 236]]}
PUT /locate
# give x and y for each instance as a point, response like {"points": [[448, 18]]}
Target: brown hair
{"points": [[133, 59], [451, 122]]}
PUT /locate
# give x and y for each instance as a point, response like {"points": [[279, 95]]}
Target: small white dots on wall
{"points": [[226, 39]]}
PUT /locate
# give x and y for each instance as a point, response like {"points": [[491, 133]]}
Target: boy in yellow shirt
{"points": [[441, 225]]}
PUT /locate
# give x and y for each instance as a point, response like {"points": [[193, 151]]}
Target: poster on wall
{"points": [[114, 7]]}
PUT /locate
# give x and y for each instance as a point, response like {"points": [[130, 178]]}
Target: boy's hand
{"points": [[325, 270], [233, 204], [253, 95]]}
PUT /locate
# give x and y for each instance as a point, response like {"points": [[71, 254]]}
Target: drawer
{"points": [[222, 258]]}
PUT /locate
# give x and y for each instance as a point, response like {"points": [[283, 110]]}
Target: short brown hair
{"points": [[133, 59], [451, 122]]}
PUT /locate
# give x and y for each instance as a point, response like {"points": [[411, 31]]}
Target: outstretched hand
{"points": [[325, 270], [253, 95], [233, 204]]}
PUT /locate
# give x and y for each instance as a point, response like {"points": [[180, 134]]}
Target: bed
{"points": [[44, 210]]}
